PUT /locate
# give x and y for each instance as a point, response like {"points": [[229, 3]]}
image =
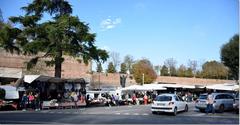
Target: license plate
{"points": [[160, 104]]}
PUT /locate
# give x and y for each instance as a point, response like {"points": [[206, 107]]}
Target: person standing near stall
{"points": [[145, 98], [24, 101], [31, 100], [37, 102]]}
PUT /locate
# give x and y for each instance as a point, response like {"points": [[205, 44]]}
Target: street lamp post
{"points": [[98, 80], [143, 78]]}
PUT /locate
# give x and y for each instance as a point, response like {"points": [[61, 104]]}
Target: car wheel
{"points": [[221, 108], [202, 110], [186, 108], [175, 111], [154, 112]]}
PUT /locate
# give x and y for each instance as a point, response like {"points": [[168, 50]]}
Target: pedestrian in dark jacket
{"points": [[24, 101], [37, 102]]}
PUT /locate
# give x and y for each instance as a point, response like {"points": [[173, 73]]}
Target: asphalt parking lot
{"points": [[133, 114]]}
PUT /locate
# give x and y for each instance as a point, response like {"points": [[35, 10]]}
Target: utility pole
{"points": [[143, 79]]}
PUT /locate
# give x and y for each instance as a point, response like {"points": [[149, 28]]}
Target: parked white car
{"points": [[169, 103]]}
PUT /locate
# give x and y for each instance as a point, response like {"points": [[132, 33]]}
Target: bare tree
{"points": [[193, 65], [115, 57], [128, 60], [171, 64]]}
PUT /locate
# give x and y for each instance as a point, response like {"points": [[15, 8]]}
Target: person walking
{"points": [[37, 102], [117, 100], [24, 101], [75, 99], [210, 104]]}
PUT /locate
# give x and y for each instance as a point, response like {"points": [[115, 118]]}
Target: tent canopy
{"points": [[229, 87], [11, 92]]}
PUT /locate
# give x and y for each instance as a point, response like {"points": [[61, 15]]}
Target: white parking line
{"points": [[125, 113], [117, 113]]}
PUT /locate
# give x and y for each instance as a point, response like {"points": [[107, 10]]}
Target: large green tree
{"points": [[63, 34], [143, 69], [214, 70], [230, 56]]}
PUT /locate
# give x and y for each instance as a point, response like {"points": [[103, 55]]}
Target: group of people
{"points": [[31, 100], [113, 100]]}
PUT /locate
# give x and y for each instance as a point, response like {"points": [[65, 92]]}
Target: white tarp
{"points": [[171, 85], [154, 87], [188, 86], [11, 92], [135, 87], [30, 78], [230, 87], [10, 72]]}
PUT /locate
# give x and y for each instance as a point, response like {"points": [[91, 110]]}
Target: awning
{"points": [[154, 87], [229, 87], [171, 85], [30, 78], [135, 87]]}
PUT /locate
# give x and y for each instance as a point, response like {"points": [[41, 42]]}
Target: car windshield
{"points": [[237, 95], [164, 98], [203, 97]]}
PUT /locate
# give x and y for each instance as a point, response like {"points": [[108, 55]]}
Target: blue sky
{"points": [[155, 29]]}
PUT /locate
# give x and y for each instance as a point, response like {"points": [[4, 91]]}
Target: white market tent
{"points": [[135, 87], [171, 86], [154, 87], [30, 78], [11, 92], [226, 86], [145, 87]]}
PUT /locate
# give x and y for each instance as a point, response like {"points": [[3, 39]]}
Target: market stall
{"points": [[56, 92]]}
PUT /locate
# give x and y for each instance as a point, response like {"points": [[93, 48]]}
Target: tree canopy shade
{"points": [[144, 67], [230, 56], [64, 34]]}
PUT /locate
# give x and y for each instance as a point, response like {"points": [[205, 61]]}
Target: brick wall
{"points": [[110, 79], [71, 68]]}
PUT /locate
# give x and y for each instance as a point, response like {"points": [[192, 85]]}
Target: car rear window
{"points": [[203, 97], [164, 98]]}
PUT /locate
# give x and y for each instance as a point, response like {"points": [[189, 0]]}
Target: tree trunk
{"points": [[58, 64]]}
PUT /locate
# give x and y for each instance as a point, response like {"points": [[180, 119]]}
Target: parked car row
{"points": [[172, 103]]}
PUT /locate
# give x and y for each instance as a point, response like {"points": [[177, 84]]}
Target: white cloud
{"points": [[110, 23], [106, 48]]}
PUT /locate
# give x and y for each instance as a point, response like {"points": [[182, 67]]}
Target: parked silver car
{"points": [[222, 102], [236, 103]]}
